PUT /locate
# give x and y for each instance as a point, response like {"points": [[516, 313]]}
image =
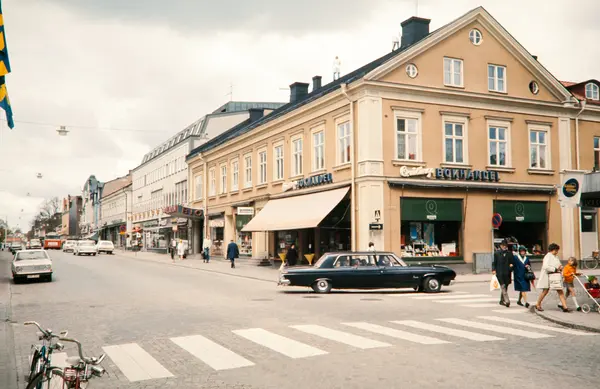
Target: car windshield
{"points": [[70, 242], [90, 243], [106, 244], [31, 255]]}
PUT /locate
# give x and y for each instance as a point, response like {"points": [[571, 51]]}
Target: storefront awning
{"points": [[184, 212], [297, 212]]}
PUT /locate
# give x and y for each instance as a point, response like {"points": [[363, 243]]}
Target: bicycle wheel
{"points": [[36, 365], [592, 263], [41, 381]]}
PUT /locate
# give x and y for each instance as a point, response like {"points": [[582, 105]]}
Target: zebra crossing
{"points": [[469, 300], [137, 364]]}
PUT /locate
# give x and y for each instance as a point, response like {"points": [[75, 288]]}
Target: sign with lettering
{"points": [[184, 211], [417, 171], [319, 179], [450, 174], [245, 211]]}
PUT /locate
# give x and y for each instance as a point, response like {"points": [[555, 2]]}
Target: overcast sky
{"points": [[152, 67]]}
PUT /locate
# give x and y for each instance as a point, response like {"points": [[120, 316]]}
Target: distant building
{"points": [[115, 210], [90, 211], [71, 214]]}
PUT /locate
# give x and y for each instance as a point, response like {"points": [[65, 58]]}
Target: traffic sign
{"points": [[123, 230], [496, 220], [376, 226]]}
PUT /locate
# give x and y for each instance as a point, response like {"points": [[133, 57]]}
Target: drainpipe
{"points": [[353, 173], [577, 164]]}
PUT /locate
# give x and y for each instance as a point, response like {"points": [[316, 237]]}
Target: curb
{"points": [[564, 323]]}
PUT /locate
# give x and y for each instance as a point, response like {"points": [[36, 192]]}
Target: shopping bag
{"points": [[555, 280], [494, 284]]}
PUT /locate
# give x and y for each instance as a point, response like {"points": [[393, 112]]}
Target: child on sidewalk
{"points": [[569, 273]]}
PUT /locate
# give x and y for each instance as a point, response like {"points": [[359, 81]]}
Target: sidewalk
{"points": [[8, 370], [578, 320]]}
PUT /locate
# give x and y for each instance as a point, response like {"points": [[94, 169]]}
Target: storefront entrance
{"points": [[524, 222]]}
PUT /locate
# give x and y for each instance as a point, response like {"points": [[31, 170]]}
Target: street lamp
{"points": [[62, 131]]}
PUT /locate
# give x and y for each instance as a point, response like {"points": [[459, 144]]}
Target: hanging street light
{"points": [[62, 131]]}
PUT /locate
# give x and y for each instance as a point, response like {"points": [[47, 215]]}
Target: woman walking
{"points": [[522, 266], [180, 249], [550, 265]]}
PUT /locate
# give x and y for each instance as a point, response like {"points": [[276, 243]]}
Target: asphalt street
{"points": [[167, 326]]}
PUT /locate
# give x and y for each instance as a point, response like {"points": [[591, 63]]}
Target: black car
{"points": [[366, 270]]}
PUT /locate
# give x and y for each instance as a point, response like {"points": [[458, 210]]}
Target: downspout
{"points": [[353, 173], [577, 165]]}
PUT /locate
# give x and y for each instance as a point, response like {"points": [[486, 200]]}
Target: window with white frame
{"points": [[343, 134], [278, 165], [454, 142], [248, 171], [592, 91], [408, 138], [538, 148], [262, 167], [453, 72], [212, 182], [223, 186], [498, 145], [235, 175], [318, 150], [297, 157], [198, 181], [497, 78]]}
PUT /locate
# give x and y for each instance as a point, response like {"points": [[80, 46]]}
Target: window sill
{"points": [[498, 92], [222, 195], [455, 86], [248, 189], [261, 186], [456, 165], [503, 169], [212, 197], [319, 171], [234, 192], [408, 162], [545, 172], [277, 183], [343, 166], [296, 177]]}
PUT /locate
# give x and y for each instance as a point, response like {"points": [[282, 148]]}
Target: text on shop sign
{"points": [[450, 174], [320, 179]]}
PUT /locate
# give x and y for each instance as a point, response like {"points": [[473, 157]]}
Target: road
{"points": [[167, 326]]}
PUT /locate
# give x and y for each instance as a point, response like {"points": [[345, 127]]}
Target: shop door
{"points": [[589, 232]]}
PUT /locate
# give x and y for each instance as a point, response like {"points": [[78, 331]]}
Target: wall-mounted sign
{"points": [[245, 211], [178, 210], [316, 180], [152, 223], [375, 226], [591, 203], [216, 223], [450, 174], [417, 171]]}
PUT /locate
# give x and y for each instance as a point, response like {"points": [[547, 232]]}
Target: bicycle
{"points": [[591, 262], [41, 356], [80, 371]]}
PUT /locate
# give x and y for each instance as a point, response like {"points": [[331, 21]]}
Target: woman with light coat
{"points": [[551, 264]]}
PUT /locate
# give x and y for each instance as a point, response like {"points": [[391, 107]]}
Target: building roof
{"points": [[578, 89], [236, 106], [116, 185], [568, 83]]}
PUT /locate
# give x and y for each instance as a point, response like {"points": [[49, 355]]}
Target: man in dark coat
{"points": [[502, 268], [292, 255], [232, 253]]}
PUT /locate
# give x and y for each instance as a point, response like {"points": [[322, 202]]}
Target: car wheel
{"points": [[321, 286], [94, 254], [432, 285]]}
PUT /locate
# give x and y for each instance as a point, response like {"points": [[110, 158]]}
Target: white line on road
{"points": [[394, 333], [135, 363], [448, 331], [450, 296], [480, 305], [495, 328], [341, 336], [281, 344], [426, 296], [510, 311], [211, 353], [462, 301], [534, 325]]}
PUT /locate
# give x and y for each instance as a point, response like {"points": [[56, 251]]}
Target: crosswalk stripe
{"points": [[462, 301], [449, 296], [426, 296], [281, 344], [211, 353], [510, 311], [480, 305], [135, 363], [495, 328], [59, 360], [447, 331], [340, 336], [394, 333], [534, 325]]}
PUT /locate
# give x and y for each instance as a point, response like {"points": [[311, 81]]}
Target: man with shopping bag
{"points": [[501, 269]]}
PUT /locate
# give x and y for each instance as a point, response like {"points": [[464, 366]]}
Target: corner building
{"points": [[416, 151]]}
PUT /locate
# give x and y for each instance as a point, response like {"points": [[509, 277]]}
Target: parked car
{"points": [[105, 246], [16, 246], [31, 264], [366, 270], [69, 246], [35, 244], [87, 247]]}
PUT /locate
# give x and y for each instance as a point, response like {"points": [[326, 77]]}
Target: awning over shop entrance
{"points": [[521, 211], [427, 209], [297, 212]]}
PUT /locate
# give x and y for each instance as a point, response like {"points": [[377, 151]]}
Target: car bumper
{"points": [[87, 252], [37, 274], [284, 282]]}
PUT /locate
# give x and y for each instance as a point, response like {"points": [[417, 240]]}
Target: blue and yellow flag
{"points": [[5, 103], [4, 70]]}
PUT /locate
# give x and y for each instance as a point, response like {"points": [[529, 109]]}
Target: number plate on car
{"points": [[34, 276]]}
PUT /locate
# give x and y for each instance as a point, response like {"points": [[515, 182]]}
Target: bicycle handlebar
{"points": [[92, 360], [46, 333]]}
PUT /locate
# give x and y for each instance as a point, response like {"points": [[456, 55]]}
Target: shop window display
{"points": [[430, 239], [244, 239]]}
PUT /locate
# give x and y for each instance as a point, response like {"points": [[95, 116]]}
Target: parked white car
{"points": [[69, 246], [87, 247], [105, 246], [31, 264]]}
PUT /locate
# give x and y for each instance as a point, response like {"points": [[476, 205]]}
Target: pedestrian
{"points": [[180, 249], [172, 248], [207, 244], [292, 255], [551, 266], [569, 273], [232, 252], [522, 266], [371, 247], [502, 268]]}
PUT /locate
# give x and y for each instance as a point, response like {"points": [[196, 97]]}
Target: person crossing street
{"points": [[502, 268]]}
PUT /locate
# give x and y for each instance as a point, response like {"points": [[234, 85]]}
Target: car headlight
{"points": [[48, 267], [18, 269]]}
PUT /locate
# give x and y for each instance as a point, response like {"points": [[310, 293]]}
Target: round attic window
{"points": [[411, 70], [534, 87], [475, 37]]}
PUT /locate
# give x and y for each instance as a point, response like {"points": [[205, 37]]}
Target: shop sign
{"points": [[249, 211], [592, 203], [152, 223], [375, 226], [182, 221], [316, 180], [216, 223], [416, 172], [163, 222], [450, 174], [181, 210]]}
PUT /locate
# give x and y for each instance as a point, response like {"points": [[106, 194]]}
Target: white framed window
{"points": [[408, 135], [539, 147], [534, 87], [248, 171], [497, 78], [235, 175], [475, 37], [212, 182], [278, 165], [198, 181], [499, 144], [223, 186], [297, 160], [262, 167], [411, 70], [592, 91], [318, 143], [343, 136], [455, 136], [453, 72]]}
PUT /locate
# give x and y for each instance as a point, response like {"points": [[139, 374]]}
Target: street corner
{"points": [[576, 320]]}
